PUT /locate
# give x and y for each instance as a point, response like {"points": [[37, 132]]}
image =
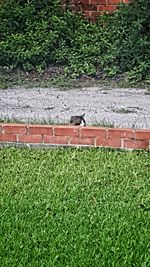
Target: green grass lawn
{"points": [[74, 208]]}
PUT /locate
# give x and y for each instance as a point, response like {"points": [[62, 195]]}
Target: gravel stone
{"points": [[119, 107]]}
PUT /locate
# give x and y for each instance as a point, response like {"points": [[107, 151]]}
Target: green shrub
{"points": [[132, 26], [27, 33], [35, 34]]}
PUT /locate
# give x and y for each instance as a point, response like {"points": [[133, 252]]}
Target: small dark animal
{"points": [[78, 120]]}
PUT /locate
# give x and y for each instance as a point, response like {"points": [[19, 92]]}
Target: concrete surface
{"points": [[102, 106]]}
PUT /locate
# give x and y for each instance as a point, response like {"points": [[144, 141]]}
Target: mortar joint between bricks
{"points": [[95, 141], [42, 142], [68, 140], [122, 142], [53, 131], [17, 139], [106, 133], [27, 131], [79, 131], [133, 133], [3, 125]]}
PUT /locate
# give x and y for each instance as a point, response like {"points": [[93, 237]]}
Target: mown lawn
{"points": [[74, 208]]}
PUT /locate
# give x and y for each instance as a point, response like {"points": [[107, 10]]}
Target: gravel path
{"points": [[119, 107]]}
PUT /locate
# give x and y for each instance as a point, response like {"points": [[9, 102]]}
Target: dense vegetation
{"points": [[36, 34], [71, 207]]}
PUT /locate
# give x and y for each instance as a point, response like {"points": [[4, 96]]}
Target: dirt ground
{"points": [[102, 106]]}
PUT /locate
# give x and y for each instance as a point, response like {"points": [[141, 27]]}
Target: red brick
{"points": [[98, 2], [108, 142], [106, 8], [47, 139], [82, 141], [120, 133], [93, 132], [114, 2], [28, 138], [136, 144], [94, 14], [76, 2], [142, 134], [90, 8], [14, 128], [86, 2], [40, 129], [66, 130], [8, 137], [87, 13]]}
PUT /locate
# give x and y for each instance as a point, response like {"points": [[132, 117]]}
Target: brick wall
{"points": [[74, 136], [91, 8]]}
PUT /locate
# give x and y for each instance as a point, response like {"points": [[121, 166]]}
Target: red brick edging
{"points": [[74, 136]]}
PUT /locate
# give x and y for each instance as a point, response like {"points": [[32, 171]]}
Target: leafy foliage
{"points": [[36, 34], [132, 42]]}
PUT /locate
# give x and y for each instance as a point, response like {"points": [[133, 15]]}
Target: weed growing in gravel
{"points": [[103, 123], [69, 207], [123, 111], [49, 121], [7, 119]]}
